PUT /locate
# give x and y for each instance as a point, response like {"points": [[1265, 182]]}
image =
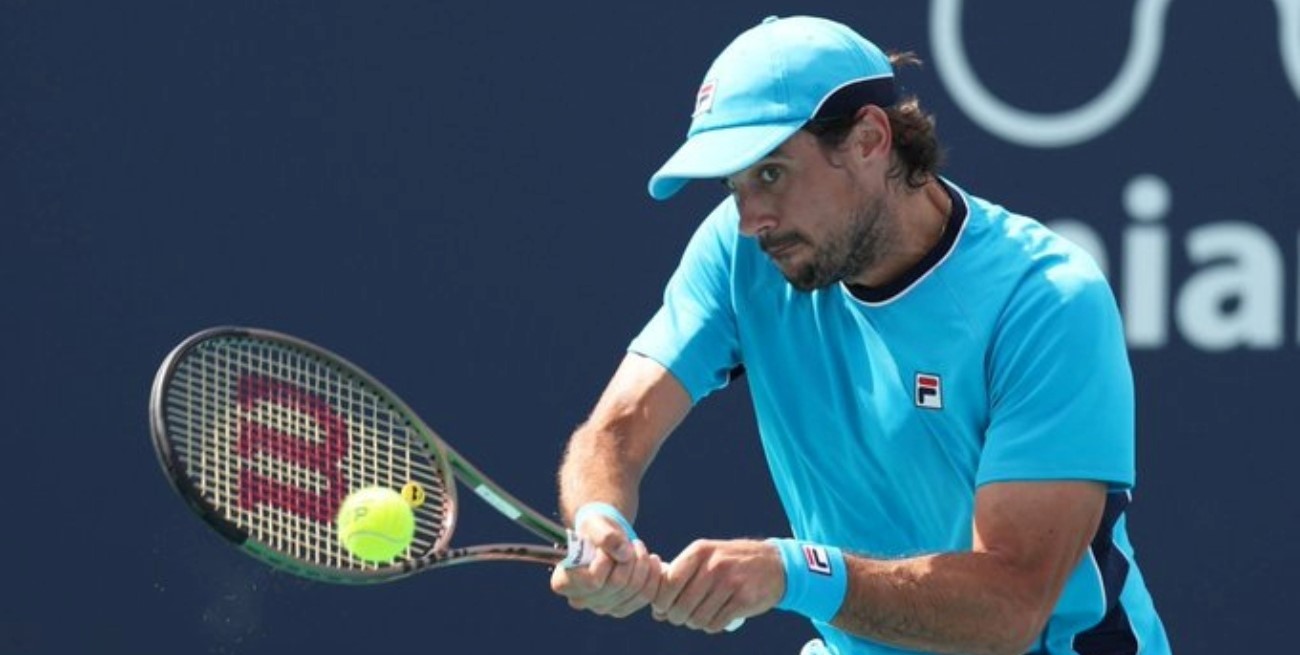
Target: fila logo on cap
{"points": [[704, 98], [817, 559], [929, 391]]}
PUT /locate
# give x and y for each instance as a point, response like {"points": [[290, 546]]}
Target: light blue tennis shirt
{"points": [[999, 357]]}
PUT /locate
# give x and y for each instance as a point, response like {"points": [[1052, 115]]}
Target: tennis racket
{"points": [[264, 435]]}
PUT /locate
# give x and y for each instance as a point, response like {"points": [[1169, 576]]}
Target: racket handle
{"points": [[581, 553]]}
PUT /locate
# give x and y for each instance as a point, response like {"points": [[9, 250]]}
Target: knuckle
{"points": [[620, 576], [607, 538], [735, 581], [702, 545]]}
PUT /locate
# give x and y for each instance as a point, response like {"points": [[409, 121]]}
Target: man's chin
{"points": [[805, 280], [804, 277]]}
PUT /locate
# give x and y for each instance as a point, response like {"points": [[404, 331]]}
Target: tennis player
{"points": [[941, 385]]}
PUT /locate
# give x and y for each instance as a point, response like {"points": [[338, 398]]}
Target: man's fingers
{"points": [[622, 576], [641, 586], [608, 536], [688, 601], [707, 609], [676, 599], [710, 586], [707, 587], [732, 615], [624, 587], [669, 587], [597, 573]]}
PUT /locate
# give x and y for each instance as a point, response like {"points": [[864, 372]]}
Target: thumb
{"points": [[609, 536]]}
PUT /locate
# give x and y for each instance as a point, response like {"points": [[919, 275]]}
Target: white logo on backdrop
{"points": [[1288, 36], [1234, 295], [1116, 101]]}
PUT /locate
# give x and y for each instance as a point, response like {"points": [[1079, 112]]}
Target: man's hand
{"points": [[712, 583], [621, 579]]}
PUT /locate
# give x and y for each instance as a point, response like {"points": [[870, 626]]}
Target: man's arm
{"points": [[608, 454], [1028, 539], [604, 462], [995, 598]]}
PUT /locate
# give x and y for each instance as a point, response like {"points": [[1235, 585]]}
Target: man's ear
{"points": [[873, 138]]}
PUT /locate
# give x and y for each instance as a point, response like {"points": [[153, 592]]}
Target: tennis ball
{"points": [[376, 524]]}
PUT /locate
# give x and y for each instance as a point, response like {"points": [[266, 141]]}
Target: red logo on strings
{"points": [[321, 456]]}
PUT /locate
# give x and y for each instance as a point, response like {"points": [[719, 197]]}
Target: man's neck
{"points": [[919, 218]]}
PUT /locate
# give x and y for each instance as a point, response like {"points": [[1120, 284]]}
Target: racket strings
{"points": [[275, 438]]}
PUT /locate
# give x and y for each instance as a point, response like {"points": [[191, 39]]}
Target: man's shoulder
{"points": [[1025, 250], [1011, 264]]}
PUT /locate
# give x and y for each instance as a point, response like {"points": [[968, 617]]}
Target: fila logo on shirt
{"points": [[817, 559], [929, 391]]}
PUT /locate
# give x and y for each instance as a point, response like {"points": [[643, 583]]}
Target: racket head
{"points": [[264, 435]]}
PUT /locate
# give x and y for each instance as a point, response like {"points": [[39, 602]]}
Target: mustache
{"points": [[770, 242]]}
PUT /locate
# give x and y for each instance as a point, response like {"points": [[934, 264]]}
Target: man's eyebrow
{"points": [[778, 152]]}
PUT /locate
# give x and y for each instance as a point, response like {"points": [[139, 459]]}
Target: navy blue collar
{"points": [[886, 292]]}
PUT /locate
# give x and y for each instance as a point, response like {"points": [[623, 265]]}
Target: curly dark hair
{"points": [[918, 155]]}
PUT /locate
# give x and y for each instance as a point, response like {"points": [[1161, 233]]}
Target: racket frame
{"points": [[453, 468]]}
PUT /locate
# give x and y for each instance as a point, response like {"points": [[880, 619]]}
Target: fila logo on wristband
{"points": [[817, 559], [816, 578]]}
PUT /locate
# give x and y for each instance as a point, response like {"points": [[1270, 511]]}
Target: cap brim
{"points": [[717, 154]]}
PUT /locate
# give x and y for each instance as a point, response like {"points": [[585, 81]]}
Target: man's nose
{"points": [[756, 216]]}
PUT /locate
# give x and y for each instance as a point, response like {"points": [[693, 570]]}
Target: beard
{"points": [[862, 242]]}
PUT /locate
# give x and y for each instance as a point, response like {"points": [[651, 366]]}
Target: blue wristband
{"points": [[604, 509], [816, 579]]}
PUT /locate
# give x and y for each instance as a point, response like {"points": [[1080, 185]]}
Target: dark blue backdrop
{"points": [[452, 195]]}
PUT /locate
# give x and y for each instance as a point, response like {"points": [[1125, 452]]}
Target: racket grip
{"points": [[581, 553]]}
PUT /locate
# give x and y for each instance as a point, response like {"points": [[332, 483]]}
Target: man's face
{"points": [[811, 213]]}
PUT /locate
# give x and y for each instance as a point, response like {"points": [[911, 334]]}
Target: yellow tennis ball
{"points": [[376, 524]]}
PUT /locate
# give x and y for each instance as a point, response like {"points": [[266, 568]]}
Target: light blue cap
{"points": [[769, 82]]}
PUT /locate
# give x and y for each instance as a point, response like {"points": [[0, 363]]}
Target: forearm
{"points": [[603, 464], [949, 603], [598, 467], [610, 452]]}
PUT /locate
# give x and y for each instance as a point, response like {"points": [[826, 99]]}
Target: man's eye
{"points": [[769, 174]]}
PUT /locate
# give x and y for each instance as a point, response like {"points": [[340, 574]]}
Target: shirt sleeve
{"points": [[1060, 382], [693, 334]]}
